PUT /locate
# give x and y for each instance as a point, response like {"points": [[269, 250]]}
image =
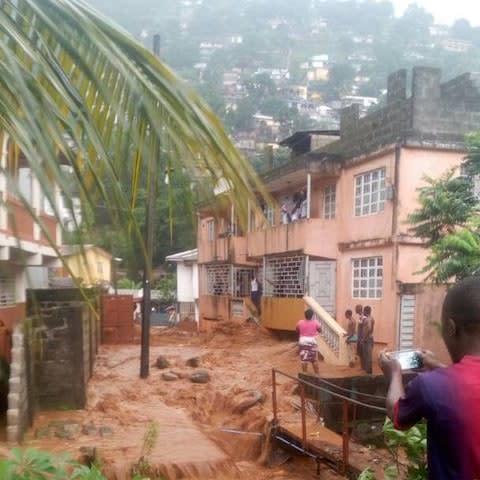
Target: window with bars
{"points": [[329, 201], [367, 277], [241, 281], [218, 279], [370, 192], [7, 290], [285, 276], [211, 230]]}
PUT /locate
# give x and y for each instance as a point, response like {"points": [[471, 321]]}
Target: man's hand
{"points": [[430, 362], [388, 365]]}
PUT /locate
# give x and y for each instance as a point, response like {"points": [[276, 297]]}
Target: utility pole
{"points": [[147, 268]]}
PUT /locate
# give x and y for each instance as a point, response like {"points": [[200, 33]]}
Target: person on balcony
{"points": [[307, 330], [447, 397], [360, 318], [367, 335], [351, 337]]}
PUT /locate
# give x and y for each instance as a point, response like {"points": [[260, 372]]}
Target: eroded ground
{"points": [[204, 430]]}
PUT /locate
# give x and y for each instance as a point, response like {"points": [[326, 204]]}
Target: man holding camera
{"points": [[446, 397]]}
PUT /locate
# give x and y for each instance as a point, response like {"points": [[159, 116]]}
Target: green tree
{"points": [[446, 203]]}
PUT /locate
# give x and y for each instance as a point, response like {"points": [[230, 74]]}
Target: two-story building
{"points": [[24, 243], [337, 234]]}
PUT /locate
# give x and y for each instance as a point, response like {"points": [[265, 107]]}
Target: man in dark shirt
{"points": [[447, 397]]}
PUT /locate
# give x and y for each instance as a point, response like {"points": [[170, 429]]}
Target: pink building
{"points": [[348, 242]]}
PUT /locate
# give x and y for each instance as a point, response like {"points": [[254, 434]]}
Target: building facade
{"points": [[24, 243], [337, 233]]}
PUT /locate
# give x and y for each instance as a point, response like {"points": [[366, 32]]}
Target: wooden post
{"points": [[274, 396]]}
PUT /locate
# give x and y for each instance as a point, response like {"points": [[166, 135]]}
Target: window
{"points": [[367, 277], [7, 290], [211, 230], [270, 215], [25, 182], [252, 221], [370, 192], [100, 268], [329, 199]]}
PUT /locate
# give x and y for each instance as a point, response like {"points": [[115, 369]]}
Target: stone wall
{"points": [[19, 415]]}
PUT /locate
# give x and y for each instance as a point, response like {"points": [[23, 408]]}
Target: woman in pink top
{"points": [[307, 329]]}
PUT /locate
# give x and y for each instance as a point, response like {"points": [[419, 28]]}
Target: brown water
{"points": [[191, 418]]}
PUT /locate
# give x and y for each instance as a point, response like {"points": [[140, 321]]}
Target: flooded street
{"points": [[204, 430]]}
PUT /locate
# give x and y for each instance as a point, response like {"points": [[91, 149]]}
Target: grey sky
{"points": [[446, 11]]}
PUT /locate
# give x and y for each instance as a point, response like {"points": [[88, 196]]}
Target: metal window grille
{"points": [[370, 192], [367, 277], [285, 276], [211, 230], [7, 291], [241, 281], [329, 203], [218, 279]]}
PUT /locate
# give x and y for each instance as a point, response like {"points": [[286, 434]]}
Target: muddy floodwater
{"points": [[202, 430]]}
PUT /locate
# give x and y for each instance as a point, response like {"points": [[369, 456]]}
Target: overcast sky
{"points": [[446, 11]]}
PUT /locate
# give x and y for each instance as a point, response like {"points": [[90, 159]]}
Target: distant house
{"points": [[187, 283], [89, 263], [456, 45]]}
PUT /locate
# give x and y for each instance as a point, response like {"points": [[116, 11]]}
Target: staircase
{"points": [[331, 341]]}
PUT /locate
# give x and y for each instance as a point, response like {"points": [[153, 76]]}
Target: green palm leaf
{"points": [[75, 85]]}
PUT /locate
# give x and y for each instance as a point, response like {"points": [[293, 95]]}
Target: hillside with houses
{"points": [[271, 68]]}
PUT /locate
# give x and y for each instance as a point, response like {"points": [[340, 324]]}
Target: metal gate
{"points": [[406, 333], [322, 276]]}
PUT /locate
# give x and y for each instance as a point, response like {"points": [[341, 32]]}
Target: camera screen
{"points": [[409, 360]]}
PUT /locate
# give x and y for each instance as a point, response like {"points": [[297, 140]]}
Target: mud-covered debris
{"points": [[89, 429], [43, 432], [69, 431], [105, 431], [169, 376], [162, 362], [193, 362], [247, 400], [201, 376]]}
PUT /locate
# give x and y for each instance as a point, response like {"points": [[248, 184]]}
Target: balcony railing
{"points": [[332, 344], [312, 236]]}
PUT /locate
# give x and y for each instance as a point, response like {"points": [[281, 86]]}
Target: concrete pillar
{"points": [[426, 83]]}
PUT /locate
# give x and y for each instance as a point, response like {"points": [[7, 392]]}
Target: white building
{"points": [[187, 283]]}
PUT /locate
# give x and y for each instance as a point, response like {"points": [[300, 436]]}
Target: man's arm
{"points": [[393, 372]]}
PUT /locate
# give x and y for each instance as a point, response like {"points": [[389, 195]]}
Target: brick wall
{"points": [[117, 319], [435, 115]]}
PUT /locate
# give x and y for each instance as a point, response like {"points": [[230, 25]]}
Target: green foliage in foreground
{"points": [[411, 444], [31, 464]]}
